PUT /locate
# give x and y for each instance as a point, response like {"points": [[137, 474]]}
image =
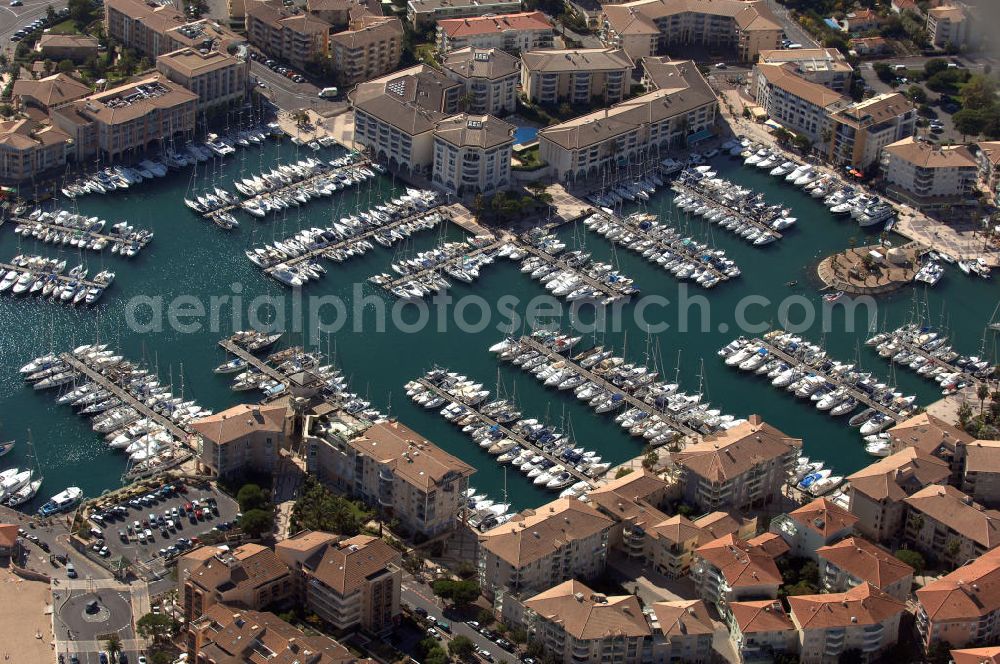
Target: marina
{"points": [[655, 411], [275, 374], [804, 369], [663, 245], [66, 229], [733, 208], [574, 276], [41, 277], [549, 458], [926, 351], [424, 273]]}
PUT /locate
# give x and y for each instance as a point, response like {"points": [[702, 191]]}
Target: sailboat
{"points": [[5, 448]]}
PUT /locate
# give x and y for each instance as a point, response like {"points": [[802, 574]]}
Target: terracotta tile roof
{"points": [[561, 60], [237, 636], [535, 534], [124, 103], [809, 59], [688, 617], [52, 90], [866, 561], [682, 88], [8, 535], [250, 565], [949, 506], [478, 131], [898, 475], [723, 456], [742, 563], [586, 615], [823, 517], [861, 605], [761, 616], [344, 565], [927, 433], [716, 524], [992, 151], [931, 155], [749, 16], [968, 593], [876, 110], [784, 77], [369, 31], [457, 28], [989, 655], [627, 498], [412, 99], [240, 421], [677, 529], [306, 540], [194, 62], [947, 12], [770, 543], [411, 457], [66, 41], [982, 456], [488, 63]]}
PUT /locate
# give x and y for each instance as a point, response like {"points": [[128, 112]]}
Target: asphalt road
{"points": [[12, 18], [288, 94], [793, 30], [415, 595]]}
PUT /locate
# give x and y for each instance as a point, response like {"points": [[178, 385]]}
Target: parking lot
{"points": [[161, 524]]}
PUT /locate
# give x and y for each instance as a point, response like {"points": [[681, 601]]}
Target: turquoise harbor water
{"points": [[194, 258]]}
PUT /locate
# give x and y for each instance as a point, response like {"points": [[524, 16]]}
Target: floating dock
{"points": [[90, 235], [450, 262], [603, 288], [730, 210]]}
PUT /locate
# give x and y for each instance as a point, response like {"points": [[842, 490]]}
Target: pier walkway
{"points": [[508, 433], [792, 361], [6, 267], [665, 416], [253, 361], [92, 235], [319, 251], [449, 262], [684, 189], [327, 173], [127, 398], [909, 346], [598, 285]]}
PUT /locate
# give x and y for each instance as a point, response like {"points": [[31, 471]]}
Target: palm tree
{"points": [[982, 391], [113, 646]]}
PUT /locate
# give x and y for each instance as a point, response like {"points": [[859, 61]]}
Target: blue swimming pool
{"points": [[525, 134]]}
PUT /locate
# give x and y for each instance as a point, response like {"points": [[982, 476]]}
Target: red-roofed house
{"points": [[855, 560], [760, 630], [730, 569], [989, 655], [521, 32], [814, 525]]}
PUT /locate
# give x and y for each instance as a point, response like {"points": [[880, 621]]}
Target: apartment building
{"points": [[28, 150], [962, 608], [370, 46], [233, 635], [948, 526], [393, 468], [250, 576], [350, 583], [877, 492], [576, 624], [514, 33], [489, 78], [673, 542], [989, 655], [825, 66], [219, 79], [338, 13], [652, 27], [682, 631], [989, 167], [854, 560], [948, 26], [539, 548], [738, 468], [862, 618], [128, 119], [472, 154], [395, 116], [814, 525], [730, 569], [633, 503], [152, 29], [681, 109], [48, 92], [801, 106], [929, 175], [243, 438], [425, 13], [935, 437], [78, 48], [859, 132], [981, 472], [286, 33], [760, 630], [576, 76]]}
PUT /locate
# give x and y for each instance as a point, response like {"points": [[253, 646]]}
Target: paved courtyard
{"points": [[25, 620]]}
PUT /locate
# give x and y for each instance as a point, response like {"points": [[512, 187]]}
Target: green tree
{"points": [[913, 559], [157, 626], [458, 592], [917, 94], [851, 656], [320, 509], [50, 15], [802, 143], [81, 11], [982, 391], [461, 647], [257, 522], [65, 66], [113, 646], [251, 497], [935, 65], [622, 472], [979, 92]]}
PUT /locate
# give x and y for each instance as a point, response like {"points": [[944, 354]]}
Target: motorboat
{"points": [[62, 501]]}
